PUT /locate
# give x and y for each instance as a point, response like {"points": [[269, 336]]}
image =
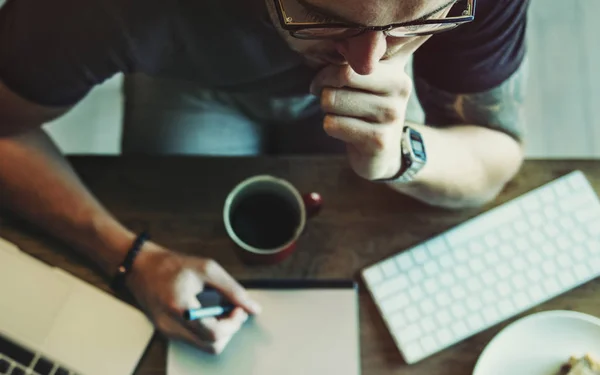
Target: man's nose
{"points": [[364, 51]]}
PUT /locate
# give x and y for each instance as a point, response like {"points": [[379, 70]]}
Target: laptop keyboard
{"points": [[16, 360]]}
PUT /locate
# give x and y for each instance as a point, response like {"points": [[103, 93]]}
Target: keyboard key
{"points": [[532, 203], [562, 189], [567, 223], [412, 314], [17, 371], [460, 329], [492, 258], [549, 267], [521, 226], [506, 307], [373, 275], [566, 278], [428, 343], [506, 251], [503, 271], [583, 270], [459, 292], [444, 318], [518, 264], [405, 262], [447, 279], [573, 202], [428, 307], [420, 254], [586, 214], [551, 230], [4, 365], [474, 303], [503, 290], [427, 325], [534, 257], [546, 195], [519, 281], [551, 286], [490, 314], [43, 366], [398, 320], [536, 220], [551, 213], [437, 246], [537, 238], [413, 352], [536, 293], [548, 250], [563, 243], [395, 303], [521, 300], [476, 248], [489, 278], [474, 284], [443, 299], [444, 336], [446, 261], [409, 333], [461, 255], [491, 240], [416, 293], [489, 296], [593, 228], [534, 275], [390, 286], [431, 268], [578, 235], [475, 322], [431, 286], [476, 265], [61, 371], [459, 311], [522, 245], [416, 275], [564, 260], [593, 247], [15, 352], [389, 268]]}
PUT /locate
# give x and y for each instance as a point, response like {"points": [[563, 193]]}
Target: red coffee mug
{"points": [[265, 215]]}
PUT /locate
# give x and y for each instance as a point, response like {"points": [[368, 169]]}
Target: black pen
{"points": [[207, 312]]}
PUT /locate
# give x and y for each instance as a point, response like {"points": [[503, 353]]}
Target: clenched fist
{"points": [[367, 112]]}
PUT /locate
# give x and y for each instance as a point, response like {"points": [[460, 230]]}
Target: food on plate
{"points": [[585, 365]]}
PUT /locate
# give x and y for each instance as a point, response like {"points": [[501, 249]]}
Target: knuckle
{"points": [[162, 324], [328, 99], [388, 112], [377, 141], [210, 267]]}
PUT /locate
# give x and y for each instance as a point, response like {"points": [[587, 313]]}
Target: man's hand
{"points": [[165, 284], [367, 112]]}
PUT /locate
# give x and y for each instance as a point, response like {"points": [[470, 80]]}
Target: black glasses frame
{"points": [[287, 23]]}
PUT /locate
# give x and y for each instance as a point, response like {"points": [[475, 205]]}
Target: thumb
{"points": [[218, 278]]}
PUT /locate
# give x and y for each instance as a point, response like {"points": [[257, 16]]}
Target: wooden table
{"points": [[180, 201]]}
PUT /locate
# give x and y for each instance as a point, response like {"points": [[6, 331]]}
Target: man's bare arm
{"points": [[38, 184], [473, 141]]}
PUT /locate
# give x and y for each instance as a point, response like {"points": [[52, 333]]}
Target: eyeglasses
{"points": [[301, 23]]}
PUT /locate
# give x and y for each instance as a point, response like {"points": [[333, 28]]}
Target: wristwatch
{"points": [[413, 156]]}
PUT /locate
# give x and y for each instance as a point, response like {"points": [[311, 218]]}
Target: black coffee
{"points": [[264, 220]]}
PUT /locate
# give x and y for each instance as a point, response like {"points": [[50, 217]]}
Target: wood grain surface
{"points": [[180, 200]]}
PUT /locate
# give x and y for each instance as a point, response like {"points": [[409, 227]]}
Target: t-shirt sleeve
{"points": [[54, 52], [477, 56]]}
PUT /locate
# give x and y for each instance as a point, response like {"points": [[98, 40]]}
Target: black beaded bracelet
{"points": [[125, 267]]}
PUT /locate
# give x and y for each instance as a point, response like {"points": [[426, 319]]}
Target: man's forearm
{"points": [[37, 183], [466, 166]]}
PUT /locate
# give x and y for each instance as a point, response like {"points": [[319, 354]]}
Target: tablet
{"points": [[305, 327]]}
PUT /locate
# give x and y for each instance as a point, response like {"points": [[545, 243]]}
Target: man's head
{"points": [[339, 22]]}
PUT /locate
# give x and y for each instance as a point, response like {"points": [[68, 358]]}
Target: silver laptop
{"points": [[52, 323]]}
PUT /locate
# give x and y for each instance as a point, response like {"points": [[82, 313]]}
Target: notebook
{"points": [[53, 323], [306, 327]]}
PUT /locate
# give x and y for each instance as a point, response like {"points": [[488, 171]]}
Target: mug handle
{"points": [[312, 204]]}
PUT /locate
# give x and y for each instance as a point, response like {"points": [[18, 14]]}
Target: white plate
{"points": [[539, 344]]}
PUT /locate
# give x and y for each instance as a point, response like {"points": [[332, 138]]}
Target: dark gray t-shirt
{"points": [[54, 52]]}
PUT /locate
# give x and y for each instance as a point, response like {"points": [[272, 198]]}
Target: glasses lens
{"points": [[420, 29], [325, 33]]}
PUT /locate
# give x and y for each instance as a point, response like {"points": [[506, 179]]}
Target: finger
{"points": [[385, 80], [219, 329], [231, 289], [179, 331], [367, 106], [368, 138]]}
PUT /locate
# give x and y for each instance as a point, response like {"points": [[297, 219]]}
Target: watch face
{"points": [[417, 146]]}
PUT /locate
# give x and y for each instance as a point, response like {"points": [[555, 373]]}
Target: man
{"points": [[245, 77]]}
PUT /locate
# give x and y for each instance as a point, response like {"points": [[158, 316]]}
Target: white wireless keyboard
{"points": [[490, 268]]}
